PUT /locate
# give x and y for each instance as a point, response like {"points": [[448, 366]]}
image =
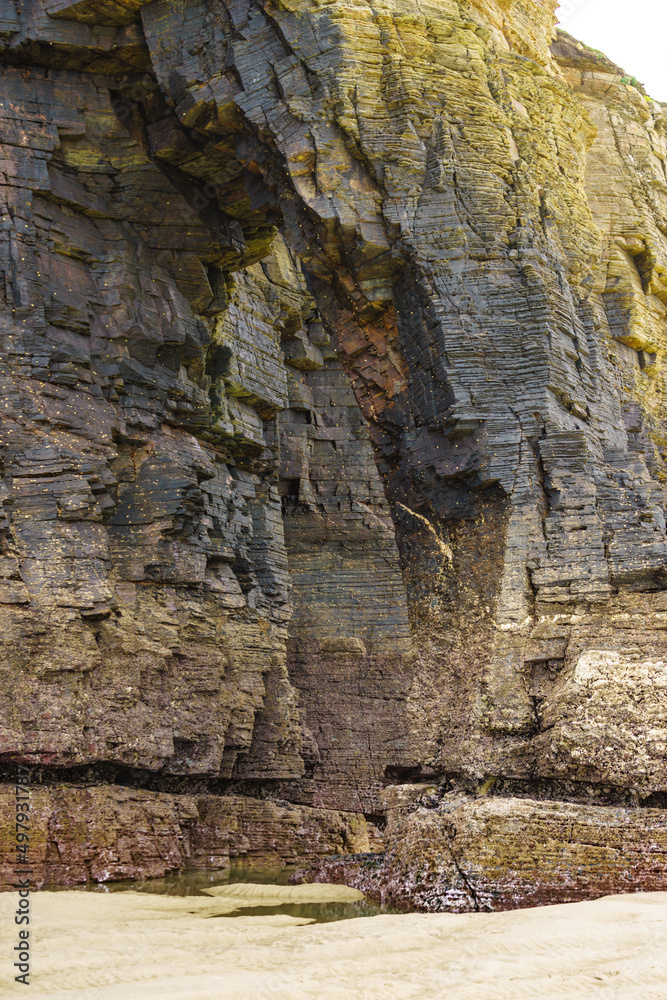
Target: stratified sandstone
{"points": [[103, 833], [460, 853], [333, 447]]}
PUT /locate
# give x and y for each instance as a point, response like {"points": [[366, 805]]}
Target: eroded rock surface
{"points": [[456, 852], [333, 446], [103, 833]]}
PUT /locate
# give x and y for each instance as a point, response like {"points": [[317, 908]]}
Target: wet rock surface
{"points": [[332, 444], [106, 833], [464, 854]]}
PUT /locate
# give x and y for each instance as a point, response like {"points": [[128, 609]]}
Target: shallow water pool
{"points": [[193, 884]]}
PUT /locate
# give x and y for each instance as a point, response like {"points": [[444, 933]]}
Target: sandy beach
{"points": [[126, 946]]}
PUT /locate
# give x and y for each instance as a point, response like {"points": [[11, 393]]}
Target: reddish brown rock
{"points": [[97, 834], [332, 396], [461, 854]]}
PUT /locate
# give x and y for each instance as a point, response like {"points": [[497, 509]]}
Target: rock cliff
{"points": [[333, 427]]}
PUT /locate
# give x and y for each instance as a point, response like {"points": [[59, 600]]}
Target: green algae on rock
{"points": [[333, 441]]}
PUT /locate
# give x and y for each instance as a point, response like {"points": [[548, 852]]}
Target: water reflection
{"points": [[193, 884], [321, 913]]}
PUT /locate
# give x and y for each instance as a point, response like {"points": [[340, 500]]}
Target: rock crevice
{"points": [[332, 378]]}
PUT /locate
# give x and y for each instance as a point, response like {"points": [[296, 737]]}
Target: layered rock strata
{"points": [[333, 425], [104, 833], [461, 853]]}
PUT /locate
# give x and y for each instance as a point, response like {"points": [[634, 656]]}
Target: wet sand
{"points": [[98, 946]]}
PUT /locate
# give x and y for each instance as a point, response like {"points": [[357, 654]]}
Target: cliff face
{"points": [[333, 425]]}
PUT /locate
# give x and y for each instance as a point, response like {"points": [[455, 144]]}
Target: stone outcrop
{"points": [[460, 853], [333, 446], [101, 833]]}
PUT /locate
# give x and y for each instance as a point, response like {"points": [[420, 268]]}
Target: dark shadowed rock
{"points": [[333, 432]]}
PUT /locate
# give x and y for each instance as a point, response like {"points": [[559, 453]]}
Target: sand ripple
{"points": [[277, 895], [130, 946]]}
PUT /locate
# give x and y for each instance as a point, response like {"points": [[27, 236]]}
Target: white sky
{"points": [[633, 33]]}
